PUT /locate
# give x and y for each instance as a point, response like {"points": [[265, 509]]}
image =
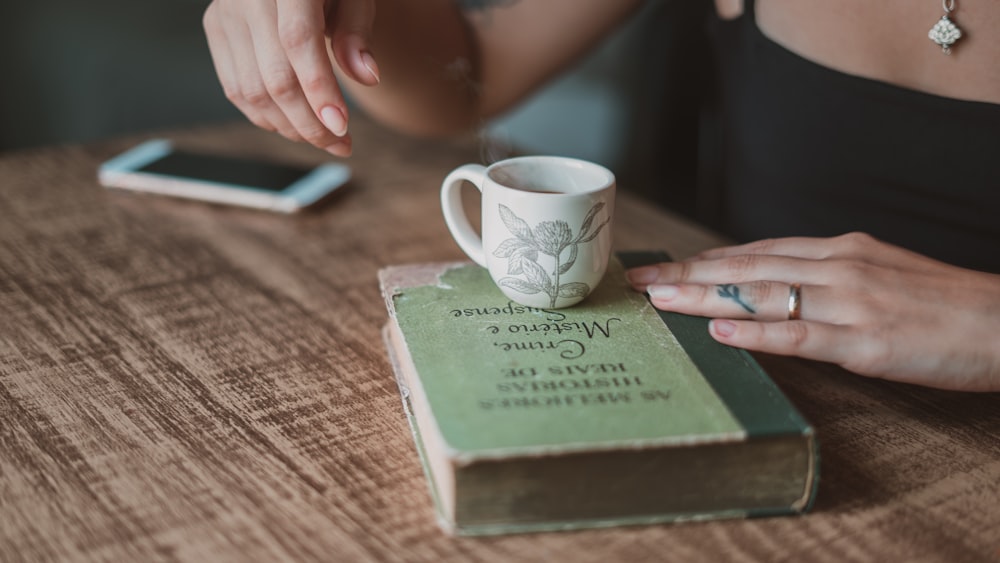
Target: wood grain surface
{"points": [[182, 381]]}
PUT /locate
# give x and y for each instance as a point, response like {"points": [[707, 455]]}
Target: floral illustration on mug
{"points": [[551, 238]]}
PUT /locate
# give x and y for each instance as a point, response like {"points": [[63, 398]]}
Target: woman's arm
{"points": [[447, 65], [423, 66]]}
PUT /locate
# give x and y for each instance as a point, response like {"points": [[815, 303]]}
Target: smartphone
{"points": [[156, 166]]}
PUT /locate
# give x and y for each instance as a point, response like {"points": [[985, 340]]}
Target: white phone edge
{"points": [[120, 172]]}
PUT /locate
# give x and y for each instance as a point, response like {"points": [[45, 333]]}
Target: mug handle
{"points": [[454, 212]]}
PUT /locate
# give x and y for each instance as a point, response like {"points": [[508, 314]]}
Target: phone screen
{"points": [[244, 172]]}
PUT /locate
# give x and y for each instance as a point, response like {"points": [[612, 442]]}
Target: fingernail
{"points": [[665, 292], [642, 276], [723, 327], [334, 120], [362, 61], [369, 63]]}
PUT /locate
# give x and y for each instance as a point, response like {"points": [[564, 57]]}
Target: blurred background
{"points": [[76, 71]]}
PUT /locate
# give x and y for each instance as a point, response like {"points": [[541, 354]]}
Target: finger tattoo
{"points": [[732, 292]]}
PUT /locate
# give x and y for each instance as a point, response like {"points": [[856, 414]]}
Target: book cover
{"points": [[606, 413]]}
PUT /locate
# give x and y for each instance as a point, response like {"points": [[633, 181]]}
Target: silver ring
{"points": [[795, 302]]}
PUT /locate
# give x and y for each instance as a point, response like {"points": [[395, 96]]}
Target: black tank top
{"points": [[812, 151]]}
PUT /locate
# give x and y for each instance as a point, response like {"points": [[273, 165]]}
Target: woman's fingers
{"points": [[299, 74], [735, 269], [232, 52], [760, 301], [868, 306], [797, 247], [805, 339], [272, 60], [851, 246], [222, 58]]}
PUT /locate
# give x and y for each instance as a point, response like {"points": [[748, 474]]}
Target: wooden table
{"points": [[181, 381]]}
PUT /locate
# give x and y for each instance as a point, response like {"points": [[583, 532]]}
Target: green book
{"points": [[606, 413]]}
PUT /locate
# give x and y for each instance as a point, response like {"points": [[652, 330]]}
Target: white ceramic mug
{"points": [[546, 226]]}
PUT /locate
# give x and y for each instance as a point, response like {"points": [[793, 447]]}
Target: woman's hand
{"points": [[272, 59], [871, 307]]}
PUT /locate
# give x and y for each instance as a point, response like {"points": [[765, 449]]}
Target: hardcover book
{"points": [[606, 413]]}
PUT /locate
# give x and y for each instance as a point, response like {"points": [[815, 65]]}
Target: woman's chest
{"points": [[888, 41]]}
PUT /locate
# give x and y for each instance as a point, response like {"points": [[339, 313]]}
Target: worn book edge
{"points": [[439, 478]]}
